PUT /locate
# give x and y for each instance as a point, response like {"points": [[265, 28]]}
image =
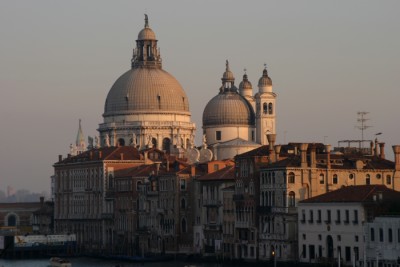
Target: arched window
{"points": [[138, 185], [292, 199], [154, 142], [183, 203], [166, 144], [321, 179], [184, 230], [12, 220], [291, 178], [388, 179], [270, 108], [335, 179], [110, 181], [273, 177], [265, 108], [121, 142], [367, 179]]}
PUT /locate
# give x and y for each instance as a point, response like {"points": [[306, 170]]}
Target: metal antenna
{"points": [[361, 119]]}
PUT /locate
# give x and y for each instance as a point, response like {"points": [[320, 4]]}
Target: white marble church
{"points": [[147, 107]]}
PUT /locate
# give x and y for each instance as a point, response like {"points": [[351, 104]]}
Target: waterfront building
{"points": [[82, 188], [342, 224], [301, 171], [212, 214]]}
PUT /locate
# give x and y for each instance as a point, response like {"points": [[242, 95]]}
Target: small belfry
{"points": [[265, 108]]}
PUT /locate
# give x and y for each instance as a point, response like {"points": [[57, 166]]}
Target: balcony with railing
{"points": [[212, 202], [242, 224], [237, 197]]}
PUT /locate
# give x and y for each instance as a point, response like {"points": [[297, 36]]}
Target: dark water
{"points": [[86, 262]]}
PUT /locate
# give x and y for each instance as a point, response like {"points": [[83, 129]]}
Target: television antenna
{"points": [[361, 119]]}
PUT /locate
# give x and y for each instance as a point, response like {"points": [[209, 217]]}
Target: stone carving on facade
{"points": [[134, 142], [90, 142], [107, 141], [97, 142]]}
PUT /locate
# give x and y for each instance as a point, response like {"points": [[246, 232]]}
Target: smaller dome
{"points": [[245, 84], [146, 34], [228, 74], [228, 108], [265, 80]]}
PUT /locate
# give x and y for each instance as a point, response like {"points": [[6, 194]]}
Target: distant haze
{"points": [[327, 60]]}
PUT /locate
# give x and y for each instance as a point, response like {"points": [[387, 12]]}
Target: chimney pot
{"points": [[382, 150], [59, 158]]}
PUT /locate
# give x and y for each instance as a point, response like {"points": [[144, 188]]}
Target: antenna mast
{"points": [[361, 119]]}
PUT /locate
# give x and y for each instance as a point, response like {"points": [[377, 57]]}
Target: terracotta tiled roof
{"points": [[227, 173], [359, 193], [107, 153]]}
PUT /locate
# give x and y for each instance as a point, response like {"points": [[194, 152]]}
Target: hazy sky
{"points": [[327, 60]]}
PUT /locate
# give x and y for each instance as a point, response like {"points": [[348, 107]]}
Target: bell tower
{"points": [[265, 109]]}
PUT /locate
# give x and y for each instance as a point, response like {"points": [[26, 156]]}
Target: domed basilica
{"points": [[147, 107]]}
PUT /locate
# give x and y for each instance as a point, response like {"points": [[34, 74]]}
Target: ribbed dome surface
{"points": [[265, 80], [146, 90], [146, 34], [245, 84], [228, 108]]}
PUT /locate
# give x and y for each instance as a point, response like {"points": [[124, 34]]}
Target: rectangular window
{"points": [[356, 254], [347, 217], [356, 238], [337, 216], [183, 184], [372, 234], [390, 235], [398, 235], [303, 216], [355, 217], [311, 250], [348, 254], [319, 216], [304, 251], [380, 234], [311, 219], [218, 135], [328, 216], [320, 251]]}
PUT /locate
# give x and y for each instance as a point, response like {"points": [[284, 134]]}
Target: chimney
{"points": [[303, 151], [376, 147], [59, 158], [91, 155], [396, 151], [122, 156], [192, 170], [328, 156], [313, 157], [371, 147], [277, 152], [100, 154], [41, 201], [382, 150], [157, 167], [167, 165], [69, 156], [271, 140]]}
